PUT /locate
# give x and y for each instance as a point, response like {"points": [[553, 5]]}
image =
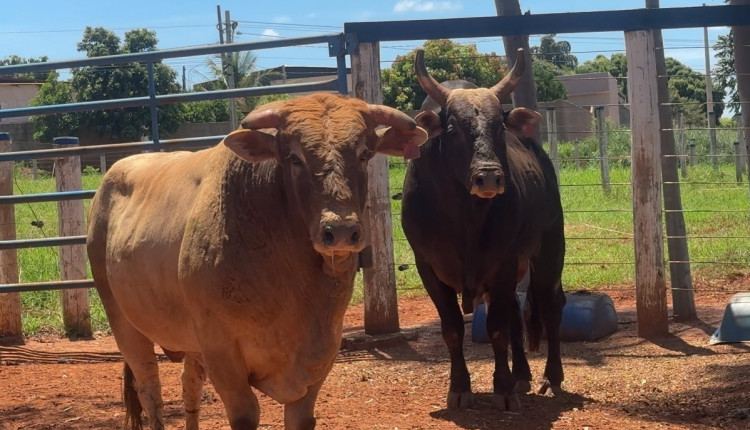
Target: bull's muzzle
{"points": [[488, 183], [339, 235]]}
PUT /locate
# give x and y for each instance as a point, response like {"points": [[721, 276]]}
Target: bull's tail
{"points": [[533, 316], [133, 408]]}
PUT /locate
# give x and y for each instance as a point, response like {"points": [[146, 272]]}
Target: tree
{"points": [[445, 60], [47, 127], [548, 87], [129, 80], [725, 74], [13, 60], [244, 66], [616, 65], [687, 88], [557, 53]]}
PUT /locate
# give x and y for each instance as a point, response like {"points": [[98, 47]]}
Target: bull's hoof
{"points": [[546, 389], [504, 402], [522, 386], [462, 400]]}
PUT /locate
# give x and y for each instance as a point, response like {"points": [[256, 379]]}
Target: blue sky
{"points": [[53, 28]]}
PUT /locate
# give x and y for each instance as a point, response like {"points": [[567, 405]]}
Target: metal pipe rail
{"points": [[47, 197], [147, 101]]}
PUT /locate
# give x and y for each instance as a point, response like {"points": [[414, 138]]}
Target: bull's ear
{"points": [[522, 121], [400, 142], [252, 145], [430, 121]]}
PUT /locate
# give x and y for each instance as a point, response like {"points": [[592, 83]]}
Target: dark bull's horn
{"points": [[433, 89], [386, 115], [506, 86]]}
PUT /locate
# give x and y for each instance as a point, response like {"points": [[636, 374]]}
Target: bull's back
{"points": [[136, 225]]}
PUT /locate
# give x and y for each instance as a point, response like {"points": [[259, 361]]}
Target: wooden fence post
{"points": [[577, 153], [102, 163], [651, 297], [71, 222], [380, 300], [601, 133], [552, 139], [681, 281], [10, 303]]}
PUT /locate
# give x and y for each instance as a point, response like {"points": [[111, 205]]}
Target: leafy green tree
{"points": [[244, 66], [725, 72], [47, 127], [445, 60], [129, 80], [687, 89], [205, 111], [555, 52], [548, 87], [13, 60], [616, 65]]}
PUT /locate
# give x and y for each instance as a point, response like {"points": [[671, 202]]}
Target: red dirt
{"points": [[622, 381]]}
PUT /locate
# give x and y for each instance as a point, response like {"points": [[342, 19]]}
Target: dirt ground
{"points": [[622, 381]]}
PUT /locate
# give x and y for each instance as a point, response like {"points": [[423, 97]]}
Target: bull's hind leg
{"points": [[300, 415], [141, 371], [193, 378], [452, 325], [547, 302]]}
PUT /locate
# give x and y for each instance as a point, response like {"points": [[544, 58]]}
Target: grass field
{"points": [[598, 227]]}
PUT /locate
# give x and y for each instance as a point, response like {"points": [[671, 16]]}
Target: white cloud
{"points": [[282, 19], [269, 32], [425, 6]]}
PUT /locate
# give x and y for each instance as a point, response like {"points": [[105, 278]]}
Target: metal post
{"points": [[552, 138], [738, 162], [152, 96], [76, 313], [692, 157], [601, 132], [10, 303], [683, 149]]}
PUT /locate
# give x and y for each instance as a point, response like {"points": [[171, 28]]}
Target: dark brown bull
{"points": [[479, 206], [240, 259]]}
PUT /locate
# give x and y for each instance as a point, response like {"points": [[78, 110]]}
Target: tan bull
{"points": [[240, 259]]}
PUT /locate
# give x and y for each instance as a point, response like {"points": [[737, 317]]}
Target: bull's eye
{"points": [[365, 156], [295, 160]]}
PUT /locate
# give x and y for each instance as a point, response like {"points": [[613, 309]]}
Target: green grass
{"points": [[598, 226]]}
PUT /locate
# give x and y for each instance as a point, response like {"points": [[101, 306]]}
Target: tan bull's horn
{"points": [[386, 115], [433, 89], [263, 118], [506, 86]]}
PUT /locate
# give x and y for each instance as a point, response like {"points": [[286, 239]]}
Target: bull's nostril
{"points": [[479, 181], [497, 181], [328, 237], [355, 238]]}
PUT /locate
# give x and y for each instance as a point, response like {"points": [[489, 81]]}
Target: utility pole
{"points": [[711, 115], [229, 70], [184, 80]]}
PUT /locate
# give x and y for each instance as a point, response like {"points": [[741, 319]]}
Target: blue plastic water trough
{"points": [[586, 316], [735, 324]]}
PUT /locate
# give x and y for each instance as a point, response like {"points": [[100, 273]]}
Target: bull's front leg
{"points": [[501, 319], [300, 415], [452, 326]]}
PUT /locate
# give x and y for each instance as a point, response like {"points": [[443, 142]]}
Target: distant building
{"points": [[305, 74], [590, 90], [17, 93]]}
